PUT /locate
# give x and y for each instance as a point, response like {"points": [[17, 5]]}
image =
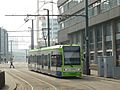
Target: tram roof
{"points": [[52, 47]]}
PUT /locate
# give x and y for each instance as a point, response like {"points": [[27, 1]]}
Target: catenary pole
{"points": [[87, 70], [32, 36], [48, 24]]}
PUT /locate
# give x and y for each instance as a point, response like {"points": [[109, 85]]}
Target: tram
{"points": [[58, 60]]}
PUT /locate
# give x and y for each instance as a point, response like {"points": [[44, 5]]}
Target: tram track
{"points": [[42, 85], [64, 86], [97, 83], [86, 83], [20, 84]]}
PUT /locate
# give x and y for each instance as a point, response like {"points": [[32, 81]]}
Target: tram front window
{"points": [[71, 55]]}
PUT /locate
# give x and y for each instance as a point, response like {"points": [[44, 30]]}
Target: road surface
{"points": [[24, 79]]}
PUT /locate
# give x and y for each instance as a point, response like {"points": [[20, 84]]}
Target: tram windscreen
{"points": [[71, 55]]}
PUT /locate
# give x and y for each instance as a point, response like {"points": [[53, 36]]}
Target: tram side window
{"points": [[35, 58], [48, 60], [29, 59], [45, 60], [53, 60], [42, 60], [56, 60], [39, 60]]}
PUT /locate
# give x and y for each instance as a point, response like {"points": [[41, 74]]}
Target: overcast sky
{"points": [[15, 7], [18, 7]]}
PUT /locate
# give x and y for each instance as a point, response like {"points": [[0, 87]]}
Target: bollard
{"points": [[2, 79]]}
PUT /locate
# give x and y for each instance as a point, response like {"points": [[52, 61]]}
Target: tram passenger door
{"points": [[59, 60], [56, 62]]}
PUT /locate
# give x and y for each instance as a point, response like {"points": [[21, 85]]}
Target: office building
{"points": [[104, 26], [3, 44], [54, 28]]}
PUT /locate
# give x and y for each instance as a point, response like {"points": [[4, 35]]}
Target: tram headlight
{"points": [[72, 69], [65, 69], [79, 69]]}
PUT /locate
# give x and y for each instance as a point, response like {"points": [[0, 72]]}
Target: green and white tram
{"points": [[59, 60]]}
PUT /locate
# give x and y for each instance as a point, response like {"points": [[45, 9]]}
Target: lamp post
{"points": [[44, 36], [38, 9], [48, 23]]}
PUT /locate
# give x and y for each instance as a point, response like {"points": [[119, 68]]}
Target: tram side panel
{"points": [[52, 62]]}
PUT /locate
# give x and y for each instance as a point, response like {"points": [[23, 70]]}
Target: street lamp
{"points": [[44, 36], [48, 22]]}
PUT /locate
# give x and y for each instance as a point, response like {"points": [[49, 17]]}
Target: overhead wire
{"points": [[31, 17]]}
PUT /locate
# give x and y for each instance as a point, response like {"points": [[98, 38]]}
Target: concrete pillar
{"points": [[81, 38], [95, 45], [113, 40], [103, 42]]}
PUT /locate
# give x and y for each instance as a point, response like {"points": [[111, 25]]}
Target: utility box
{"points": [[100, 66], [108, 66], [2, 79]]}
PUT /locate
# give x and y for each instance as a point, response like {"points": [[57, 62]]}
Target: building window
{"points": [[118, 27], [91, 46], [77, 37], [108, 45], [91, 36], [98, 32], [92, 58], [99, 54], [99, 46], [118, 2], [113, 3], [107, 29], [109, 53], [105, 5], [118, 42]]}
